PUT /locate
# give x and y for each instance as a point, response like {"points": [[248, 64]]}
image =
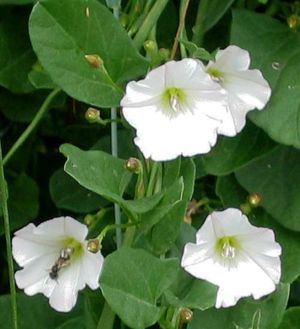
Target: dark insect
{"points": [[62, 261]]}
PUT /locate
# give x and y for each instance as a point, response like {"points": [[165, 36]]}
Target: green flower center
{"points": [[172, 99], [227, 246], [76, 246], [215, 74]]}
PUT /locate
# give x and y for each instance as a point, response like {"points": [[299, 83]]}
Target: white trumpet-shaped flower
{"points": [[56, 261], [246, 89], [176, 110], [241, 259]]}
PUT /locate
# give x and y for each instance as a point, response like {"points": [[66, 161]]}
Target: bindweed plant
{"points": [[149, 164]]}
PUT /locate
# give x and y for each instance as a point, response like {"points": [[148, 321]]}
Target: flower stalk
{"points": [[34, 123], [3, 199]]}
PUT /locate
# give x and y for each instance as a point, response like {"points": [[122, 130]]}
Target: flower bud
{"points": [[133, 165], [93, 245], [150, 46], [95, 60], [246, 208], [164, 54], [293, 21], [255, 199], [186, 315], [92, 115], [88, 219]]}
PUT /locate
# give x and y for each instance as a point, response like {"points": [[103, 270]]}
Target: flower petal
{"points": [[64, 295], [62, 227], [147, 91], [232, 58], [250, 87], [28, 246], [164, 138], [91, 268], [35, 271]]}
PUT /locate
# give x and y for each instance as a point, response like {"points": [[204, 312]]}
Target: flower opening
{"points": [[172, 100], [227, 246], [216, 74]]}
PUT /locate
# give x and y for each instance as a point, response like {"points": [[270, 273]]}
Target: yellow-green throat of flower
{"points": [[215, 74], [172, 99], [227, 246]]}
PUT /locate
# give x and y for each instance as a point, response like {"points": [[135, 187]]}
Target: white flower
{"points": [[241, 259], [247, 89], [176, 110], [56, 261]]}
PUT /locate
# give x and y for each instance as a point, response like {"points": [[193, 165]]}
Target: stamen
{"points": [[227, 247], [228, 251], [174, 103]]}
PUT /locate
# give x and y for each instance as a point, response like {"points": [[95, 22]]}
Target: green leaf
{"points": [[230, 191], [165, 232], [275, 50], [263, 314], [276, 176], [23, 202], [79, 28], [33, 310], [291, 319], [97, 171], [171, 197], [197, 52], [105, 175], [232, 195], [16, 56], [188, 292], [232, 153], [214, 11], [67, 194], [134, 291], [171, 171], [41, 80]]}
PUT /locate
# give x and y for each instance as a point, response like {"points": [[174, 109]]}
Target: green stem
{"points": [[41, 112], [183, 11], [149, 22], [152, 179], [114, 152], [199, 30], [107, 318], [3, 198], [113, 227]]}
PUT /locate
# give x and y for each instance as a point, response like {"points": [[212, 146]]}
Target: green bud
{"points": [[133, 165], [92, 115], [94, 60]]}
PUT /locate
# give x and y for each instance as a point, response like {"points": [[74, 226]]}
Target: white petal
{"points": [[64, 295], [28, 246], [235, 118], [37, 270], [250, 87], [91, 268], [146, 91], [248, 278], [232, 58], [63, 227], [188, 74], [164, 138]]}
